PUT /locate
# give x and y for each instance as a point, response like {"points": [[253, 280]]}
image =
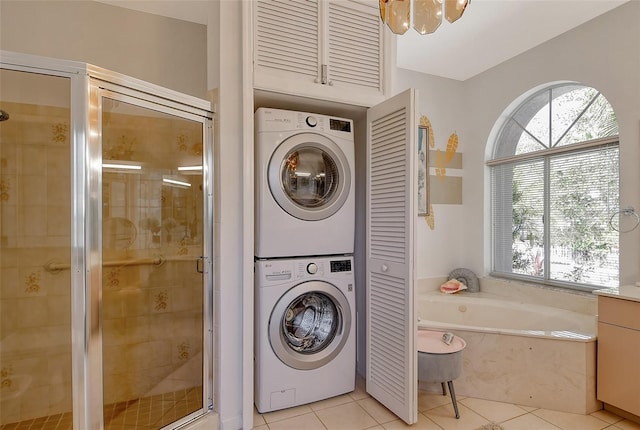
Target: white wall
{"points": [[603, 53], [233, 271], [164, 51], [440, 250]]}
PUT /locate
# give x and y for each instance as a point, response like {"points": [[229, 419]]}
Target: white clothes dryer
{"points": [[305, 347], [305, 203]]}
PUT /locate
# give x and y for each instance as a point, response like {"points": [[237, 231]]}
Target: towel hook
{"points": [[628, 211]]}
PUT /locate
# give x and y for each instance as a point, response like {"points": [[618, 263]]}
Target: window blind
{"points": [[551, 216]]}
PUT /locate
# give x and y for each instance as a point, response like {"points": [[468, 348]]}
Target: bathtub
{"points": [[528, 354]]}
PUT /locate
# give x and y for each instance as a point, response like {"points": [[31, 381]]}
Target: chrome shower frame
{"points": [[88, 84]]}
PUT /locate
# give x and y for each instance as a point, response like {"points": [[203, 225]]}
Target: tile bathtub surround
{"points": [[501, 368], [359, 411]]}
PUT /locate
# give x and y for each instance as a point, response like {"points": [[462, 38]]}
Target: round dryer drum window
{"points": [[308, 329], [309, 176]]}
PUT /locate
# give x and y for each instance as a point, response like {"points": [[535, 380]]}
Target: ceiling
{"points": [[489, 32]]}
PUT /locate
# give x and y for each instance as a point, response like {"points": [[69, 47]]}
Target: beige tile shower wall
{"points": [[35, 176], [35, 330]]}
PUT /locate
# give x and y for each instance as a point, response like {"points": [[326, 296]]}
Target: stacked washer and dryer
{"points": [[304, 241]]}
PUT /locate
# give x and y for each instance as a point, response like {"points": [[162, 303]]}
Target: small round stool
{"points": [[439, 362]]}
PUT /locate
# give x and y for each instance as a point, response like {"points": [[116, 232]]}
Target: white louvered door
{"points": [[353, 53], [334, 50], [392, 376], [287, 39]]}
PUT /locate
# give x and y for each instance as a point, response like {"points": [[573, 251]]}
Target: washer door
{"points": [[309, 176], [309, 325]]}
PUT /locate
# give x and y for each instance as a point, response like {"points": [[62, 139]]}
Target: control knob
{"points": [[312, 121], [312, 268]]}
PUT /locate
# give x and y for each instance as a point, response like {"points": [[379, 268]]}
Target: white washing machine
{"points": [[305, 347], [305, 203]]}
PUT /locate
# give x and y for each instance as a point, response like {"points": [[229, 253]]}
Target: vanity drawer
{"points": [[620, 312]]}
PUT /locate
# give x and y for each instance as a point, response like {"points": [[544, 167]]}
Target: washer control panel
{"points": [[278, 271], [341, 265]]}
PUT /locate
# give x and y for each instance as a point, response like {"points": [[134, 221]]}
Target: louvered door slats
{"points": [[388, 169], [295, 11], [386, 367], [355, 65], [287, 36], [354, 45]]}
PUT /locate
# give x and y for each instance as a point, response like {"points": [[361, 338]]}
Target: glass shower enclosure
{"points": [[106, 285]]}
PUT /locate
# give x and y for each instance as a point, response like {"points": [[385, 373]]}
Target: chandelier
{"points": [[427, 14]]}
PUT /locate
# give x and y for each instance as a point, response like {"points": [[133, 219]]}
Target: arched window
{"points": [[555, 189]]}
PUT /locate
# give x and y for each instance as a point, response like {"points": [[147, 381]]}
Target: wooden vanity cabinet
{"points": [[618, 381]]}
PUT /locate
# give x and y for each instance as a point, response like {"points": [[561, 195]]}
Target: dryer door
{"points": [[310, 325], [309, 176]]}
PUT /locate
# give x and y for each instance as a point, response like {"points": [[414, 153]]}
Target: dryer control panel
{"points": [[270, 120]]}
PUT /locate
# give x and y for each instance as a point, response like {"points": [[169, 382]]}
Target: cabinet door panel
{"points": [[331, 50], [355, 38], [618, 369], [287, 37]]}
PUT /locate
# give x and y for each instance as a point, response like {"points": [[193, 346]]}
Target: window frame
{"points": [[544, 155]]}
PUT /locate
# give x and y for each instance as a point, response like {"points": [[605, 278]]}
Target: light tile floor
{"points": [[359, 411]]}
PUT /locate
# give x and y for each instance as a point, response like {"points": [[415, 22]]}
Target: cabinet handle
{"points": [[324, 74]]}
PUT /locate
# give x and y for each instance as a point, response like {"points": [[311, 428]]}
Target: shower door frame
{"points": [[87, 84]]}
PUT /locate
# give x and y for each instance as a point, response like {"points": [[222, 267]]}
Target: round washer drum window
{"points": [[310, 323]]}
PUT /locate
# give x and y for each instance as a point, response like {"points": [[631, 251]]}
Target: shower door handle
{"points": [[200, 264]]}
